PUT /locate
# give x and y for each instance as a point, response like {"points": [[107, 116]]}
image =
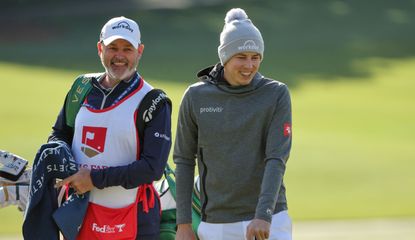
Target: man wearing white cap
{"points": [[121, 148], [237, 124]]}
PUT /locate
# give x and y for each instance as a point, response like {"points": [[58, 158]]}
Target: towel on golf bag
{"points": [[53, 160], [15, 192]]}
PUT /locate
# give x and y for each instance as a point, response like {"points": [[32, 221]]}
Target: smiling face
{"points": [[241, 68], [120, 60]]}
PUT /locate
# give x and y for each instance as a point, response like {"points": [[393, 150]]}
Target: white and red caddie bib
{"points": [[108, 138]]}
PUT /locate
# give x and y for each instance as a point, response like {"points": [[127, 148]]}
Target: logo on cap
{"points": [[124, 25], [248, 45]]}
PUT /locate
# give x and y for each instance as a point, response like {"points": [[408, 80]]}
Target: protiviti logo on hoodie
{"points": [[211, 110], [93, 140]]}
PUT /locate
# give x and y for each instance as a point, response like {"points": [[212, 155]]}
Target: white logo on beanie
{"points": [[248, 45]]}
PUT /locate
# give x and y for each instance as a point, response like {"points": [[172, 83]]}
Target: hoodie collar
{"points": [[214, 75]]}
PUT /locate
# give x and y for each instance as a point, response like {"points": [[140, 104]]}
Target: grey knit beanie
{"points": [[239, 35]]}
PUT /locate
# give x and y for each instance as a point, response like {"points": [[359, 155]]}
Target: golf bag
{"points": [[14, 180], [167, 191]]}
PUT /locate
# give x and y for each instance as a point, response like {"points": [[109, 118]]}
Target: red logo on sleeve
{"points": [[287, 129], [93, 140]]}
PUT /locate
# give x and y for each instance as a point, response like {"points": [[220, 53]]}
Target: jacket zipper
{"points": [[203, 184], [104, 99]]}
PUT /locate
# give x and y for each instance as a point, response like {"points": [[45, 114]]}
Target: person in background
{"points": [[237, 124]]}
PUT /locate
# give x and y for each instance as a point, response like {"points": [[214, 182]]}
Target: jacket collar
{"points": [[214, 75]]}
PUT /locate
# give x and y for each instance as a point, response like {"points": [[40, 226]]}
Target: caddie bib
{"points": [[109, 138]]}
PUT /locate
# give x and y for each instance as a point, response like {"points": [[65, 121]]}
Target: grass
{"points": [[352, 153], [349, 65], [353, 141]]}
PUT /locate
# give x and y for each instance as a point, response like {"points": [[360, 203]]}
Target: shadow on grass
{"points": [[322, 37]]}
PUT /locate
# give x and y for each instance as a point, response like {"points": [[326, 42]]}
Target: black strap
{"points": [[149, 108]]}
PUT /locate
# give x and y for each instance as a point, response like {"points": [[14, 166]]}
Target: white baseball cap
{"points": [[121, 28]]}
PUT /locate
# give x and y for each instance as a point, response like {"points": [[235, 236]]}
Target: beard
{"points": [[120, 69]]}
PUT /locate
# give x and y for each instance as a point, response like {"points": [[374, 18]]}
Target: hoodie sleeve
{"points": [[185, 150], [278, 148]]}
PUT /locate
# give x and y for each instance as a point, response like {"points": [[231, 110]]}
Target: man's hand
{"points": [[259, 229], [81, 181], [185, 232]]}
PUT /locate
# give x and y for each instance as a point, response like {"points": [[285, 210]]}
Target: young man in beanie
{"points": [[118, 164], [237, 124]]}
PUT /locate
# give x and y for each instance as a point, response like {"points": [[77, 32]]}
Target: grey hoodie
{"points": [[241, 138]]}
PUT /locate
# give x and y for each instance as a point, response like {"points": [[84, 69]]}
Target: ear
{"points": [[140, 49], [99, 47]]}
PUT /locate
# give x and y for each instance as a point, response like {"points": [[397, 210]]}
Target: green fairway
{"points": [[351, 157], [353, 145], [349, 66]]}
